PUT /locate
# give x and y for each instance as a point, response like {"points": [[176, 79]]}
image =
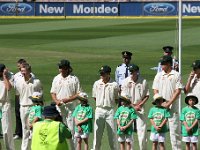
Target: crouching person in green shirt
{"points": [[50, 134]]}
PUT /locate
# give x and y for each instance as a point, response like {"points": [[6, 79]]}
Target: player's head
{"points": [[126, 55], [104, 72], [134, 70], [20, 62], [166, 63], [168, 50], [196, 66], [64, 67], [25, 69]]}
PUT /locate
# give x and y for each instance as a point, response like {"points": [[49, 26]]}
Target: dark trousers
{"points": [[18, 129]]}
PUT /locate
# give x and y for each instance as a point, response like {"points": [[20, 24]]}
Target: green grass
{"points": [[90, 43]]}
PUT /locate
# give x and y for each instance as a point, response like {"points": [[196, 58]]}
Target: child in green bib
{"points": [[158, 116], [190, 116], [125, 115], [83, 115]]}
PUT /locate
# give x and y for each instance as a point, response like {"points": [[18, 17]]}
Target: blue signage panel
{"points": [[92, 9], [131, 9], [160, 9], [49, 9], [16, 9], [191, 8]]}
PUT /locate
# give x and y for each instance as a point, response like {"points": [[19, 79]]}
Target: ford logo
{"points": [[13, 8], [159, 8]]}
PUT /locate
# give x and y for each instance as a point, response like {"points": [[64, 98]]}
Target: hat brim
{"points": [[154, 102], [82, 99], [124, 99], [35, 100], [191, 97]]}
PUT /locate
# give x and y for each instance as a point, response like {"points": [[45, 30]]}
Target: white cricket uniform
{"points": [[120, 73], [105, 95], [174, 63], [64, 88], [25, 89], [166, 84], [195, 89], [138, 91], [6, 120]]}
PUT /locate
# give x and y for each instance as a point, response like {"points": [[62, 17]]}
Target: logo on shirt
{"points": [[124, 117], [81, 115], [190, 117], [157, 117]]}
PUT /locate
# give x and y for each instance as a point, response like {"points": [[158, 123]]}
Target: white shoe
{"points": [[16, 137]]}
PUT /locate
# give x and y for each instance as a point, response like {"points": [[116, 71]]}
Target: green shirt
{"points": [[35, 111], [189, 115], [47, 135], [158, 114], [81, 113], [125, 115]]}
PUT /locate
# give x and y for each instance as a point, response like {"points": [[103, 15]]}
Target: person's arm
{"points": [[78, 123], [163, 123], [70, 99], [174, 97], [154, 125], [187, 86], [194, 124], [64, 132], [128, 124], [57, 101], [186, 126]]}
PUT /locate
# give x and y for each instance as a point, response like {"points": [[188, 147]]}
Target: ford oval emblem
{"points": [[13, 8], [159, 8]]}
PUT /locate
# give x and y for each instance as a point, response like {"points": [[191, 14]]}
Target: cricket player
{"points": [[105, 92], [64, 88], [168, 84], [6, 83], [25, 87], [138, 89]]}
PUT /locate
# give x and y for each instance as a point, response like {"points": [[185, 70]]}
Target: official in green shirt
{"points": [[50, 134]]}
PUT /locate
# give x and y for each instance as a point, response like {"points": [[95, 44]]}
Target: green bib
{"points": [[46, 136]]}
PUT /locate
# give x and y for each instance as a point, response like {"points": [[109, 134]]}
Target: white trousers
{"points": [[104, 117], [66, 113], [141, 131], [175, 133], [25, 127], [7, 126]]}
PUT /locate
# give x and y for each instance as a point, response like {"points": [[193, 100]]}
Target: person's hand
{"points": [[122, 128], [5, 73], [166, 105], [59, 102], [79, 129], [192, 73], [137, 107], [158, 128]]}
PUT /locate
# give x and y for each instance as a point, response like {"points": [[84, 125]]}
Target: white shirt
{"points": [[136, 90], [105, 94], [195, 89], [26, 88], [166, 84], [120, 73], [65, 87], [4, 93]]}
